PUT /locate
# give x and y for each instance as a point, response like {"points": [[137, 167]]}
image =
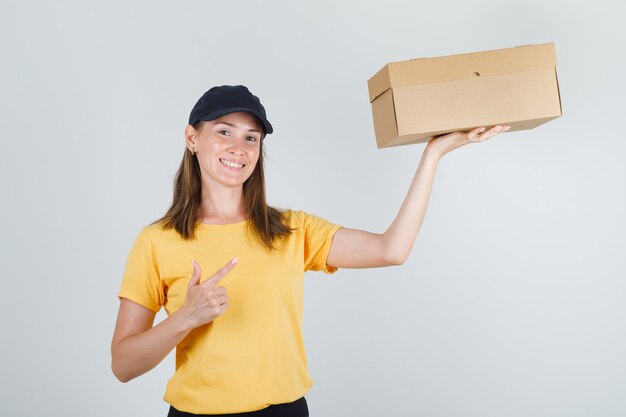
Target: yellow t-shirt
{"points": [[253, 355]]}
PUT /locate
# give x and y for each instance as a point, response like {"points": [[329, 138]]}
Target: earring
{"points": [[193, 151]]}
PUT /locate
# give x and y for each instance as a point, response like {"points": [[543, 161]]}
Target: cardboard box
{"points": [[415, 100]]}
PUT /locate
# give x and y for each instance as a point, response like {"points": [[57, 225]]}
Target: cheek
{"points": [[254, 157]]}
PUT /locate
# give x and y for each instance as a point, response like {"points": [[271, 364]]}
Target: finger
{"points": [[217, 291], [195, 276], [217, 277], [218, 306], [490, 133], [475, 132], [494, 130], [501, 129], [223, 299]]}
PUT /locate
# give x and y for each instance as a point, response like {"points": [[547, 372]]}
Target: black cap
{"points": [[226, 99]]}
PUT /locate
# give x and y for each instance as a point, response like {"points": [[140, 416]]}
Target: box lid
{"points": [[452, 67]]}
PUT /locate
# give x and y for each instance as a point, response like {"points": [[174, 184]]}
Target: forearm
{"points": [[137, 354], [400, 236], [360, 249]]}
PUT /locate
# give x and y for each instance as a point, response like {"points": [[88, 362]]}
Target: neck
{"points": [[222, 206]]}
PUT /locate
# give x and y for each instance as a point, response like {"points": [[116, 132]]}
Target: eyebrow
{"points": [[235, 126]]}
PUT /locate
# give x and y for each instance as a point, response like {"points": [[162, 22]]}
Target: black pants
{"points": [[297, 408]]}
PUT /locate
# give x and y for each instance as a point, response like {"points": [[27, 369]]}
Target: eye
{"points": [[223, 132], [252, 139]]}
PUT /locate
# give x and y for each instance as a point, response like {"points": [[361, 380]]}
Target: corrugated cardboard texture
{"points": [[386, 125], [418, 99]]}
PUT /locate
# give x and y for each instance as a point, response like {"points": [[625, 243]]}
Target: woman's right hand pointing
{"points": [[206, 301]]}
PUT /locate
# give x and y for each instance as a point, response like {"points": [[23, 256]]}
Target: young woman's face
{"points": [[227, 149]]}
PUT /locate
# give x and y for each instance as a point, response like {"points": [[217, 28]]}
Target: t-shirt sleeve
{"points": [[318, 237], [141, 282]]}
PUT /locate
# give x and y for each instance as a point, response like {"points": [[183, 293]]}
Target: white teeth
{"points": [[230, 164]]}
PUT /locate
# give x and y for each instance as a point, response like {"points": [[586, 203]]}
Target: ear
{"points": [[190, 138]]}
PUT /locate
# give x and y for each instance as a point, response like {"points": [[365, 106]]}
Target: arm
{"points": [[137, 347], [360, 249]]}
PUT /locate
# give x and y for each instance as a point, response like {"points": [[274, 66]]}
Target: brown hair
{"points": [[267, 222]]}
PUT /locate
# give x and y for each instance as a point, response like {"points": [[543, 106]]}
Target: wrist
{"points": [[432, 152], [183, 322]]}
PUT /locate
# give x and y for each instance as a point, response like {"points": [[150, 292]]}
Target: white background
{"points": [[513, 300]]}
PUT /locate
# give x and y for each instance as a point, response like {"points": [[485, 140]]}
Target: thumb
{"points": [[195, 276]]}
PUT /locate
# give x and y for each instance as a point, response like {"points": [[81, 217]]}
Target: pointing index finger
{"points": [[217, 277]]}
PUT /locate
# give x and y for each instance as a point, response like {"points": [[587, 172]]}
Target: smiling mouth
{"points": [[232, 164]]}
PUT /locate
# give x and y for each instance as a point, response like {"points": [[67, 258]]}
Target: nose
{"points": [[236, 146]]}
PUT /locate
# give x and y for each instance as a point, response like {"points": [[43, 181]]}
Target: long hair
{"points": [[268, 223]]}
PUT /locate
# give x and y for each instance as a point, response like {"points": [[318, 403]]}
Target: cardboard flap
{"points": [[452, 67]]}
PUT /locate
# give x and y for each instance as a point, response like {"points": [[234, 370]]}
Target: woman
{"points": [[237, 333]]}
